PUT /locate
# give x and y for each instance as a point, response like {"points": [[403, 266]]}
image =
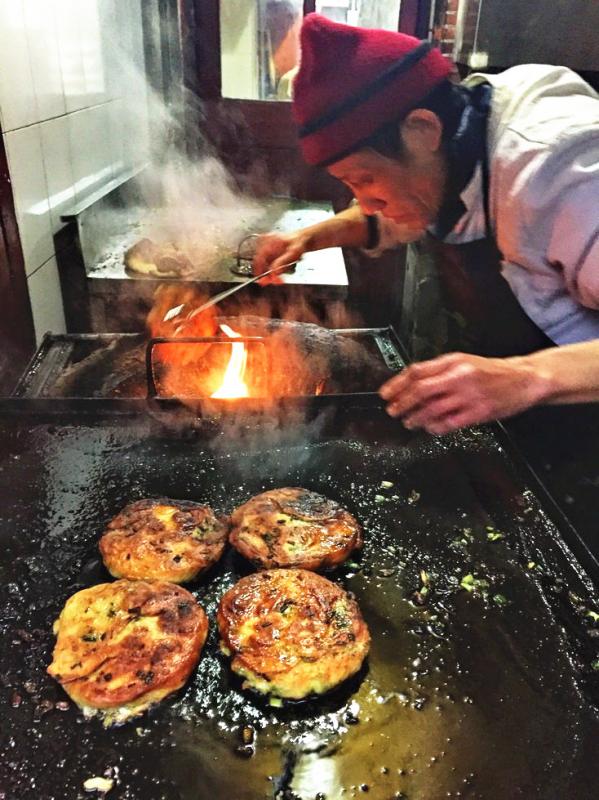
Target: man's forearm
{"points": [[346, 229], [568, 374]]}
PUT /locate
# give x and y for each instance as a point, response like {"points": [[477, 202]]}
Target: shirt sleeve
{"points": [[573, 245], [547, 201]]}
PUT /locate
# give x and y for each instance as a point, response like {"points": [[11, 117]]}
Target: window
{"points": [[364, 13], [259, 47], [260, 40]]}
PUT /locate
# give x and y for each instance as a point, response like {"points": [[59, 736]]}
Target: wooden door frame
{"points": [[414, 17]]}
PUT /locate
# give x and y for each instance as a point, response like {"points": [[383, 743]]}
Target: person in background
{"points": [[502, 169], [283, 22]]}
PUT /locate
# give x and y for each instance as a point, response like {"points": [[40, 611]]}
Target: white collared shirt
{"points": [[544, 197]]}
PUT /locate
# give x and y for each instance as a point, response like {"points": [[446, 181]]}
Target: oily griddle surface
{"points": [[460, 697]]}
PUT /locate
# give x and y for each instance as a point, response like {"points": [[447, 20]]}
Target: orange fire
{"points": [[279, 367], [233, 384]]}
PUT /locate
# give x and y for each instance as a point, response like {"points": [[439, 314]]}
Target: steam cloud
{"points": [[186, 196]]}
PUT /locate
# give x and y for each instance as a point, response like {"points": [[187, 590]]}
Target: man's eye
{"points": [[356, 184]]}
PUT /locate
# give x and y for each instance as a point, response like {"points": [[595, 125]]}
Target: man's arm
{"points": [[456, 390], [553, 219], [349, 228], [570, 373]]}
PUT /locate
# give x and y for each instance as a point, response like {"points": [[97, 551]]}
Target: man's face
{"points": [[409, 192]]}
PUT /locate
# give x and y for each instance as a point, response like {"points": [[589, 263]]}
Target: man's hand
{"points": [[276, 249], [348, 228], [456, 390]]}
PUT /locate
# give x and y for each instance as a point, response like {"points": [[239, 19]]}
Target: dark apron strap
{"points": [[486, 178]]}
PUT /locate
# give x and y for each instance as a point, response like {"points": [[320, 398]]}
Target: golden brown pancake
{"points": [[153, 260], [294, 528], [169, 540], [124, 646], [291, 632]]}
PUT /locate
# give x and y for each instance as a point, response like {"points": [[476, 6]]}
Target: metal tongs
{"points": [[173, 312], [238, 268]]}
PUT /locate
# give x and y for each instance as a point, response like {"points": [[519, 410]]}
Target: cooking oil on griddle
{"points": [[463, 695]]}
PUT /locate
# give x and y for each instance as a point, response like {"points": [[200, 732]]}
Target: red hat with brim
{"points": [[352, 81]]}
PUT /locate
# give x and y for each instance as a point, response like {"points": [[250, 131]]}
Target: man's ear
{"points": [[421, 132]]}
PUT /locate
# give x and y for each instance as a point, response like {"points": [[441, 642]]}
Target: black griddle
{"points": [[487, 694]]}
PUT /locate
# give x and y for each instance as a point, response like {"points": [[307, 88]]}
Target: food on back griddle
{"points": [[160, 539], [124, 646], [294, 527], [292, 633], [157, 261]]}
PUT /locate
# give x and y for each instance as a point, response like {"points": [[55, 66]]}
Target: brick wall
{"points": [[446, 17], [445, 22]]}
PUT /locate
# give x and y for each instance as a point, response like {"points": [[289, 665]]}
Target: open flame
{"points": [[233, 384], [294, 358]]}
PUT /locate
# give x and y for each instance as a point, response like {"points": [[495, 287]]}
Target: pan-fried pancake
{"points": [[169, 540], [294, 527], [124, 646], [291, 633], [157, 261]]}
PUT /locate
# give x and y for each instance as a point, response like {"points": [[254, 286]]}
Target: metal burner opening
{"points": [[327, 362]]}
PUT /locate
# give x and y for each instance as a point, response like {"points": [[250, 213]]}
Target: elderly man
{"points": [[507, 164]]}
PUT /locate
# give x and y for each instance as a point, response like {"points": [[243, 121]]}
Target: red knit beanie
{"points": [[352, 81]]}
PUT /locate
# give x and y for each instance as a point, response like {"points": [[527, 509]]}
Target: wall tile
{"points": [[70, 54], [30, 193], [90, 33], [74, 109], [46, 300], [56, 151], [42, 39], [119, 131], [18, 105], [91, 150], [136, 132], [136, 44], [111, 38]]}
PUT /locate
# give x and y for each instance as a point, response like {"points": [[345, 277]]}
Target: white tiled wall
{"points": [[44, 293], [73, 115]]}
